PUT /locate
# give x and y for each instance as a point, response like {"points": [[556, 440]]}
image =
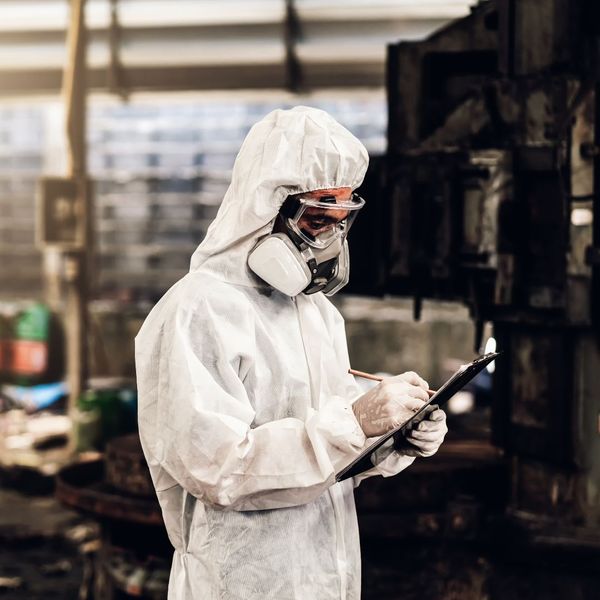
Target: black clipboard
{"points": [[456, 382]]}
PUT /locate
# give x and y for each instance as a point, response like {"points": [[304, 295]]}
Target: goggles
{"points": [[320, 222]]}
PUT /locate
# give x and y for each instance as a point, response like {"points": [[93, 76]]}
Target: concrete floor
{"points": [[40, 544], [417, 570], [41, 557]]}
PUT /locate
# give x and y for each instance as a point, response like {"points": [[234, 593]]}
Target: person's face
{"points": [[317, 221]]}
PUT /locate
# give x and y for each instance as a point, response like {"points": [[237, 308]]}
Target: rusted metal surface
{"points": [[515, 240], [126, 572], [440, 531], [126, 467], [84, 488], [446, 496], [470, 39], [133, 557]]}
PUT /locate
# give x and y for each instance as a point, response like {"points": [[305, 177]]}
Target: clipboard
{"points": [[456, 382]]}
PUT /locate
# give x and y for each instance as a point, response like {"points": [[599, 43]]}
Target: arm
{"points": [[389, 462], [195, 419]]}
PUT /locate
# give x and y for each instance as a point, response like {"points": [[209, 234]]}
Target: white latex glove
{"points": [[390, 403], [426, 437]]}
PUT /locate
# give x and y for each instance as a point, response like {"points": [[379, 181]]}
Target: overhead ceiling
{"points": [[164, 45]]}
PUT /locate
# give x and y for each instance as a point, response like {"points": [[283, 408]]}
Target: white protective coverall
{"points": [[244, 396]]}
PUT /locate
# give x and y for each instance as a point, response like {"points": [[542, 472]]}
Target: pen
{"points": [[376, 378]]}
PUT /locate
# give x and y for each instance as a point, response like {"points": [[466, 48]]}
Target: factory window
{"points": [[160, 169]]}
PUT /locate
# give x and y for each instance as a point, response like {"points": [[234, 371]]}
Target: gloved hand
{"points": [[390, 403], [426, 437]]}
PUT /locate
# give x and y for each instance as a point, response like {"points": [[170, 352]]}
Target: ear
{"points": [[278, 224], [289, 207]]}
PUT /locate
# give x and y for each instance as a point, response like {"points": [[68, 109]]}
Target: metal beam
{"points": [[200, 78]]}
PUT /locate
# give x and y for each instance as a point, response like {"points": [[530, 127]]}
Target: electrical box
{"points": [[62, 205]]}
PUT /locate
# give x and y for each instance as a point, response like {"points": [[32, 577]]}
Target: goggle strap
{"points": [[292, 204], [328, 199]]}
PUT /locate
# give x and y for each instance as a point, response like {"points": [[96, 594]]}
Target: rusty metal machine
{"points": [[490, 194], [133, 556]]}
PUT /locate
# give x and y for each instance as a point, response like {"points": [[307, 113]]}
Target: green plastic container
{"points": [[114, 411], [36, 348], [88, 422]]}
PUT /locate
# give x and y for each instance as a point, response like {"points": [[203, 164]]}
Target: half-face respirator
{"points": [[309, 253]]}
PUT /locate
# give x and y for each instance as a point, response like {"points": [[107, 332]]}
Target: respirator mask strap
{"points": [[312, 255]]}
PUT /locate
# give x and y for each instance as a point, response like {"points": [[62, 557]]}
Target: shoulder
{"points": [[203, 289], [205, 302], [197, 300]]}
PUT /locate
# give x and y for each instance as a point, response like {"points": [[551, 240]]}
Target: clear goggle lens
{"points": [[319, 223]]}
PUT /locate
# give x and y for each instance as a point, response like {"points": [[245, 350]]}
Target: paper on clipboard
{"points": [[457, 381]]}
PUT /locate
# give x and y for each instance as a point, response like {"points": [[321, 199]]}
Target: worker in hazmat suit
{"points": [[246, 407]]}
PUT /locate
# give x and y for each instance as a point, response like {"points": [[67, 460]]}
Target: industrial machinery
{"points": [[490, 194], [133, 555]]}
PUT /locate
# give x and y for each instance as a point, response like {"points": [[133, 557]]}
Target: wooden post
{"points": [[76, 261]]}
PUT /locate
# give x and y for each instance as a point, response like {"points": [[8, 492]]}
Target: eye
{"points": [[316, 223]]}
